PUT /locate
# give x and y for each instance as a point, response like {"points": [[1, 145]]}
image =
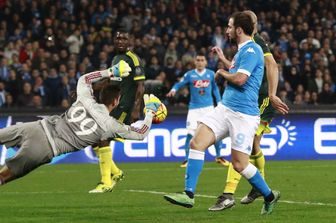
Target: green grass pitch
{"points": [[59, 193]]}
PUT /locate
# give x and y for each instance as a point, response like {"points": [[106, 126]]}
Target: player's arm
{"points": [[272, 79], [215, 90], [221, 56], [248, 62], [183, 82], [84, 84], [139, 132], [238, 78]]}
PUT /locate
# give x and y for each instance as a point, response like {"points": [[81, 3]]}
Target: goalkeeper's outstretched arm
{"points": [[120, 130]]}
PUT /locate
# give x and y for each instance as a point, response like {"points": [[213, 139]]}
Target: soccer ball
{"points": [[160, 114]]}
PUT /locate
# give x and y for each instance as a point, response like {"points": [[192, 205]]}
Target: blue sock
{"points": [[194, 168], [253, 176], [218, 147], [189, 136]]}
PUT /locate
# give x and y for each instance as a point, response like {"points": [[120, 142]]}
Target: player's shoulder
{"points": [[258, 39], [209, 71], [252, 48], [134, 57], [189, 72]]}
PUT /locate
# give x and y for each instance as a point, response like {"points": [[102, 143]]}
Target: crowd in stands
{"points": [[46, 45]]}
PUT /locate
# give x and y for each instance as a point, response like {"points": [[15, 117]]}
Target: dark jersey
{"points": [[261, 42], [128, 85]]}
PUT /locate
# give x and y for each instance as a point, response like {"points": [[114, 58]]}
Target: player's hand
{"points": [[219, 73], [152, 103], [219, 53], [279, 105], [120, 70], [171, 93]]}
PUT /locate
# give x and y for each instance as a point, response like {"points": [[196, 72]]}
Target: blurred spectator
{"points": [[307, 98], [4, 69], [52, 85], [2, 93], [39, 89], [37, 102], [9, 101], [171, 53], [65, 90], [314, 98], [153, 68], [76, 37], [298, 100], [318, 80], [326, 96], [218, 38], [25, 99], [75, 41]]}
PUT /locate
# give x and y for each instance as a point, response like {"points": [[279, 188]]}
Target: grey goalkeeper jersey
{"points": [[87, 122]]}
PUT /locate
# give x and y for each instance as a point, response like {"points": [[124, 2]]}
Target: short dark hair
{"points": [[244, 21], [121, 29], [200, 54], [109, 93]]}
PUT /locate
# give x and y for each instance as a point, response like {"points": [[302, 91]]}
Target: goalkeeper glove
{"points": [[120, 70], [152, 103]]}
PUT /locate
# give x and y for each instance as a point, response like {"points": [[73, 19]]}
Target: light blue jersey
{"points": [[248, 60], [201, 86]]}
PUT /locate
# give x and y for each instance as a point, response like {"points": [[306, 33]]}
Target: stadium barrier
{"points": [[301, 135]]}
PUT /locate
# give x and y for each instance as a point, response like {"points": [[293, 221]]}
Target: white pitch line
{"points": [[162, 193], [210, 196]]}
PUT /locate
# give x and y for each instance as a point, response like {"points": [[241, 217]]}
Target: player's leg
{"points": [[11, 137], [257, 157], [186, 147], [204, 137], [242, 140], [35, 150], [212, 127], [108, 169], [226, 199], [258, 160], [191, 125], [6, 175], [219, 159]]}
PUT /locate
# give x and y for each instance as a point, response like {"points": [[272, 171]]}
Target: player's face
{"points": [[200, 62], [121, 42], [231, 31]]}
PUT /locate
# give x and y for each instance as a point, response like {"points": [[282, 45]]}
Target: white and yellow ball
{"points": [[160, 114]]}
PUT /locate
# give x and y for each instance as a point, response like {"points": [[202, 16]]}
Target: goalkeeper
{"points": [[132, 90], [85, 123]]}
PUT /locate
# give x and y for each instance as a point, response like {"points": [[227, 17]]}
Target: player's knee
{"points": [[238, 166], [194, 144]]}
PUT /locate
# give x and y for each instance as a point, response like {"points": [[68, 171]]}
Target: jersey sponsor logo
{"points": [[201, 83], [250, 50], [325, 136], [287, 135]]}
